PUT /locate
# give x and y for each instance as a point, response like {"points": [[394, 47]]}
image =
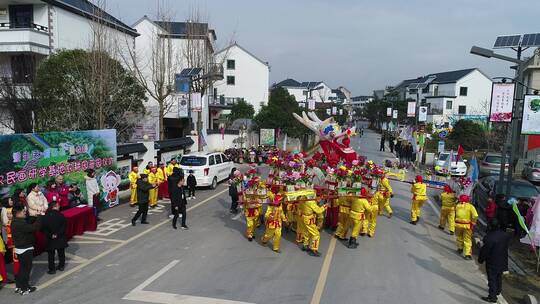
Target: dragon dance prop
{"points": [[333, 141]]}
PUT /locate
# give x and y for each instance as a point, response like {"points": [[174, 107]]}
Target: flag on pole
{"points": [[448, 162], [460, 151], [475, 170]]}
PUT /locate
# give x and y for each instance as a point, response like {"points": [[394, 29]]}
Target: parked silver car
{"points": [[491, 164], [531, 171]]}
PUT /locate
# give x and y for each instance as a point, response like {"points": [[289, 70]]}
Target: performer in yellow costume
{"points": [[153, 179], [359, 208], [418, 190], [466, 217], [370, 224], [274, 218], [133, 177], [251, 212], [448, 209], [313, 216], [343, 218], [386, 189], [170, 167]]}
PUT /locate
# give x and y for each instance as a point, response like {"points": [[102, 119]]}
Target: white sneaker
{"points": [[194, 197]]}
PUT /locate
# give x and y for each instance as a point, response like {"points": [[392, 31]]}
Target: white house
{"points": [[245, 77], [359, 102], [30, 30], [450, 96], [191, 43], [302, 91]]}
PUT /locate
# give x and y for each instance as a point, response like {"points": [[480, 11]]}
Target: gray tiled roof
{"points": [[289, 82], [89, 10]]}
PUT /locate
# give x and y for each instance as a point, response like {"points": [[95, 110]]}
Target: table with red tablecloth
{"points": [[78, 220]]}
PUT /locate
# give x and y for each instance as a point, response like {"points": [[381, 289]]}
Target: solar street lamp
{"points": [[518, 43]]}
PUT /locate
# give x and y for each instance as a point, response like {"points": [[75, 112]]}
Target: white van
{"points": [[208, 168]]}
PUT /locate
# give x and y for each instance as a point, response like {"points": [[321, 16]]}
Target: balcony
{"points": [[28, 38], [222, 102], [215, 72]]}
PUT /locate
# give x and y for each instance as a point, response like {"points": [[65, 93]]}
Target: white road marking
{"points": [[109, 227], [86, 242], [159, 208], [120, 245], [83, 237], [140, 295], [321, 282]]}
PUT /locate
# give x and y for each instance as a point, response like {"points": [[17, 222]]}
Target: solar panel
{"points": [[530, 40], [507, 41], [190, 72]]}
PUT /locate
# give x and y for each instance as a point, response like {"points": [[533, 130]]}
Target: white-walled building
{"points": [[31, 30], [245, 77], [188, 40], [302, 91], [450, 96]]}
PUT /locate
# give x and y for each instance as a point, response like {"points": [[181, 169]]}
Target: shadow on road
{"points": [[434, 266]]}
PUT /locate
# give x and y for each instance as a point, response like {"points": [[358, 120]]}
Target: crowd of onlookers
{"points": [[252, 154], [403, 149], [38, 209]]}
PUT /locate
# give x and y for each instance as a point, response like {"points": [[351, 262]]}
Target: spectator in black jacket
{"points": [[53, 225], [178, 199], [191, 184], [233, 193], [23, 239], [143, 191], [494, 253]]}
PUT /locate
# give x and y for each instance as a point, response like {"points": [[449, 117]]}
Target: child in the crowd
{"points": [[491, 209], [191, 183]]}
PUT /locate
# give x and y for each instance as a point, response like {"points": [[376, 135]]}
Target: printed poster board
{"points": [[267, 137], [531, 115], [502, 102], [40, 157]]}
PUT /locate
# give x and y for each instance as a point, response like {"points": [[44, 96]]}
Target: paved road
{"points": [[214, 263]]}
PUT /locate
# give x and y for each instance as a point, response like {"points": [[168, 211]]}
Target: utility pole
{"points": [[513, 136]]}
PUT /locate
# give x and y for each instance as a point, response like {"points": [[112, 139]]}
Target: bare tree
{"points": [[16, 104], [155, 68]]}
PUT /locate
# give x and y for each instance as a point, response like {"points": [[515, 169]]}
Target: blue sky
{"points": [[363, 45]]}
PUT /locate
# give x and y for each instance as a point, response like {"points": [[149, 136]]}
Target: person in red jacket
{"points": [[52, 193], [63, 190], [491, 209]]}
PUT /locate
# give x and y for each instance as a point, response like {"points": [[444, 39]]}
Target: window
{"points": [[462, 110], [413, 91], [449, 105], [462, 91], [193, 161], [231, 64], [425, 90], [436, 91], [22, 68], [231, 80], [211, 160], [218, 159], [21, 16], [225, 159]]}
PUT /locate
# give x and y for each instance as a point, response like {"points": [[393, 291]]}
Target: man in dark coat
{"points": [[494, 253], [178, 198], [54, 226], [24, 239], [381, 148], [143, 193]]}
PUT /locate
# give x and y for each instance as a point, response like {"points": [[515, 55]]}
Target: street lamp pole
{"points": [[512, 136]]}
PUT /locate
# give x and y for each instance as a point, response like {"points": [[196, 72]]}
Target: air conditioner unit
{"points": [[3, 11]]}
